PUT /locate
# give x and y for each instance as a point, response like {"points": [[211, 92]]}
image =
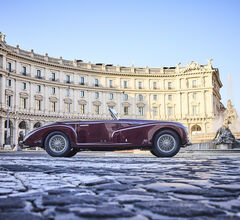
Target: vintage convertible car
{"points": [[65, 139]]}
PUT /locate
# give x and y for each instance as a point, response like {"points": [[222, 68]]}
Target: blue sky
{"points": [[151, 33]]}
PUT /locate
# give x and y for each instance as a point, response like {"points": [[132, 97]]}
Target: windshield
{"points": [[113, 113]]}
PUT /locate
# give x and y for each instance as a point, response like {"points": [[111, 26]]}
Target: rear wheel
{"points": [[166, 144], [57, 144]]}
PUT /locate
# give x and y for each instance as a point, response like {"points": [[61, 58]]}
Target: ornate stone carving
{"points": [[67, 101], [38, 97], [192, 66], [140, 104], [23, 95], [209, 66], [111, 103], [2, 37], [82, 102], [9, 92], [53, 99], [98, 103], [126, 104]]}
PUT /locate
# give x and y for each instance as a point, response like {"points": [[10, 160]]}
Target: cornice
{"points": [[78, 69]]}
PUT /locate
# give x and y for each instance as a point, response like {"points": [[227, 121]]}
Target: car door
{"points": [[97, 132]]}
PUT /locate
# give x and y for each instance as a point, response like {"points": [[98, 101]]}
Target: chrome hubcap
{"points": [[166, 143], [57, 143]]}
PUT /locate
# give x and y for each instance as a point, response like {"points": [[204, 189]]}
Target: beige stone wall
{"points": [[188, 94]]}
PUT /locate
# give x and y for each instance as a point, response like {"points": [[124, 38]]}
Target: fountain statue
{"points": [[224, 134]]}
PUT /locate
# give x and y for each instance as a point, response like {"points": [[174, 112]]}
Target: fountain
{"points": [[224, 136]]}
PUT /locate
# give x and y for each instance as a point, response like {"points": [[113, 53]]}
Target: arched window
{"points": [[196, 129], [22, 125], [37, 125], [10, 124]]}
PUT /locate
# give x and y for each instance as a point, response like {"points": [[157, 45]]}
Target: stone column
{"points": [[15, 132], [3, 85], [4, 62], [2, 129]]}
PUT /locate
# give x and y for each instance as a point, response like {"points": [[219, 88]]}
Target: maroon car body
{"points": [[107, 135]]}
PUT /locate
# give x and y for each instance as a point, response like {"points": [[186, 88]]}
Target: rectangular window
{"points": [[155, 97], [38, 105], [154, 85], [194, 110], [9, 100], [194, 83], [96, 82], [96, 109], [111, 96], [140, 110], [110, 83], [82, 80], [140, 85], [194, 95], [125, 84], [96, 95], [82, 93], [125, 97], [82, 109], [38, 73], [154, 111], [169, 85], [9, 67], [24, 70], [67, 107], [169, 97], [140, 97], [53, 76], [67, 79], [53, 91], [125, 110], [68, 92], [169, 110], [53, 106], [24, 86], [38, 88], [9, 82], [23, 103]]}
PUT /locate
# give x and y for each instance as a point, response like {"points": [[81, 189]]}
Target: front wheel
{"points": [[57, 144], [72, 153], [166, 144]]}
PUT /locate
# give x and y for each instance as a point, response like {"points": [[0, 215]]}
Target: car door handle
{"points": [[83, 125]]}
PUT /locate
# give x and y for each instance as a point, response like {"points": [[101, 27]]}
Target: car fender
{"points": [[38, 136]]}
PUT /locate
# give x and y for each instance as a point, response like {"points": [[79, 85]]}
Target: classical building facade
{"points": [[43, 89]]}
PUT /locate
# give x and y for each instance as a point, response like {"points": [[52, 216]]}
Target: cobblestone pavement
{"points": [[135, 187]]}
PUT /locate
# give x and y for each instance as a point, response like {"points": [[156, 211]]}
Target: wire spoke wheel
{"points": [[166, 143], [57, 143]]}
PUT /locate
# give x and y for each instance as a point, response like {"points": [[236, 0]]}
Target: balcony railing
{"points": [[40, 77], [11, 70]]}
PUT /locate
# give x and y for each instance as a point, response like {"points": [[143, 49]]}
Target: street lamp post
{"points": [[8, 111], [8, 102]]}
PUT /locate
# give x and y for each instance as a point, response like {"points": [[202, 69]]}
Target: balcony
{"points": [[54, 80], [40, 77], [11, 70], [25, 74]]}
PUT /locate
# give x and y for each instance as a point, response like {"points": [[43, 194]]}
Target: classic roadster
{"points": [[65, 139]]}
